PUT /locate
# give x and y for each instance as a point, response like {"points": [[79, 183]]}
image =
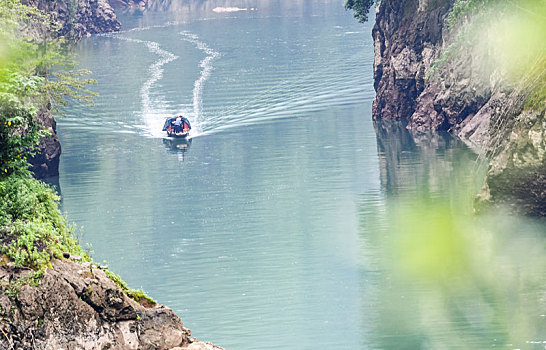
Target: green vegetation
{"points": [[444, 58], [32, 279], [535, 81], [137, 295], [32, 229], [462, 9], [360, 8], [32, 55], [505, 36]]}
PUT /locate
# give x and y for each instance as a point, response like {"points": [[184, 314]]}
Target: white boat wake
{"points": [[154, 111], [206, 69]]}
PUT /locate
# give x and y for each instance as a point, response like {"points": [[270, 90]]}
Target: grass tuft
{"points": [[137, 295]]}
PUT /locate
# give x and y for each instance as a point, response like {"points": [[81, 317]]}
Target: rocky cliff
{"points": [[424, 75], [77, 306], [79, 18], [46, 162], [407, 40]]}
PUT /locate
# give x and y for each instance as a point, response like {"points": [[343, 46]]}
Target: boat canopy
{"points": [[170, 121]]}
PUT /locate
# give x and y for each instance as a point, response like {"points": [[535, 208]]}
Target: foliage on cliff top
{"points": [[33, 232], [32, 229], [506, 39], [462, 9], [360, 8]]}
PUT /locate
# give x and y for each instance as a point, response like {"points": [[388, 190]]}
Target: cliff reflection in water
{"points": [[426, 163], [450, 279]]}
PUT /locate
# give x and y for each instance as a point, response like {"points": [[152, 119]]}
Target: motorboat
{"points": [[179, 129]]}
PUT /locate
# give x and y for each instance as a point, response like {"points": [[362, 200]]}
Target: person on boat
{"points": [[185, 124], [178, 124]]}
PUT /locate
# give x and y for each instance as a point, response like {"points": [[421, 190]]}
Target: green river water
{"points": [[290, 220]]}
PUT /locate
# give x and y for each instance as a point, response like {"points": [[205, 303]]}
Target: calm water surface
{"points": [[289, 220]]}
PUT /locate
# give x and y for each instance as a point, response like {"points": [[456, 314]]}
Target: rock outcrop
{"points": [[515, 142], [46, 162], [76, 306], [463, 94], [80, 17], [407, 40]]}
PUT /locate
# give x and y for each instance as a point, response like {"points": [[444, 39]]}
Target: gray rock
{"points": [[81, 17], [46, 162], [79, 309]]}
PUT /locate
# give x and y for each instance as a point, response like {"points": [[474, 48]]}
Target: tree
{"points": [[360, 8], [30, 48]]}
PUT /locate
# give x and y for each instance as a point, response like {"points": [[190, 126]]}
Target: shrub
{"points": [[32, 229]]}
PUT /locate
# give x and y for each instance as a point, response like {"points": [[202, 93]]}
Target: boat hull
{"points": [[180, 135]]}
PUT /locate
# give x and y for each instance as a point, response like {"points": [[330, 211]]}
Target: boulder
{"points": [[75, 307]]}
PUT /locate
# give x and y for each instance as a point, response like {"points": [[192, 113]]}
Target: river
{"points": [[289, 220]]}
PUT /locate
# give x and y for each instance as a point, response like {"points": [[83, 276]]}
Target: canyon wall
{"points": [[423, 78]]}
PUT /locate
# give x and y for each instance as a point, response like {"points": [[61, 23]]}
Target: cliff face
{"points": [[515, 142], [464, 94], [81, 17], [76, 306], [407, 39], [46, 162]]}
